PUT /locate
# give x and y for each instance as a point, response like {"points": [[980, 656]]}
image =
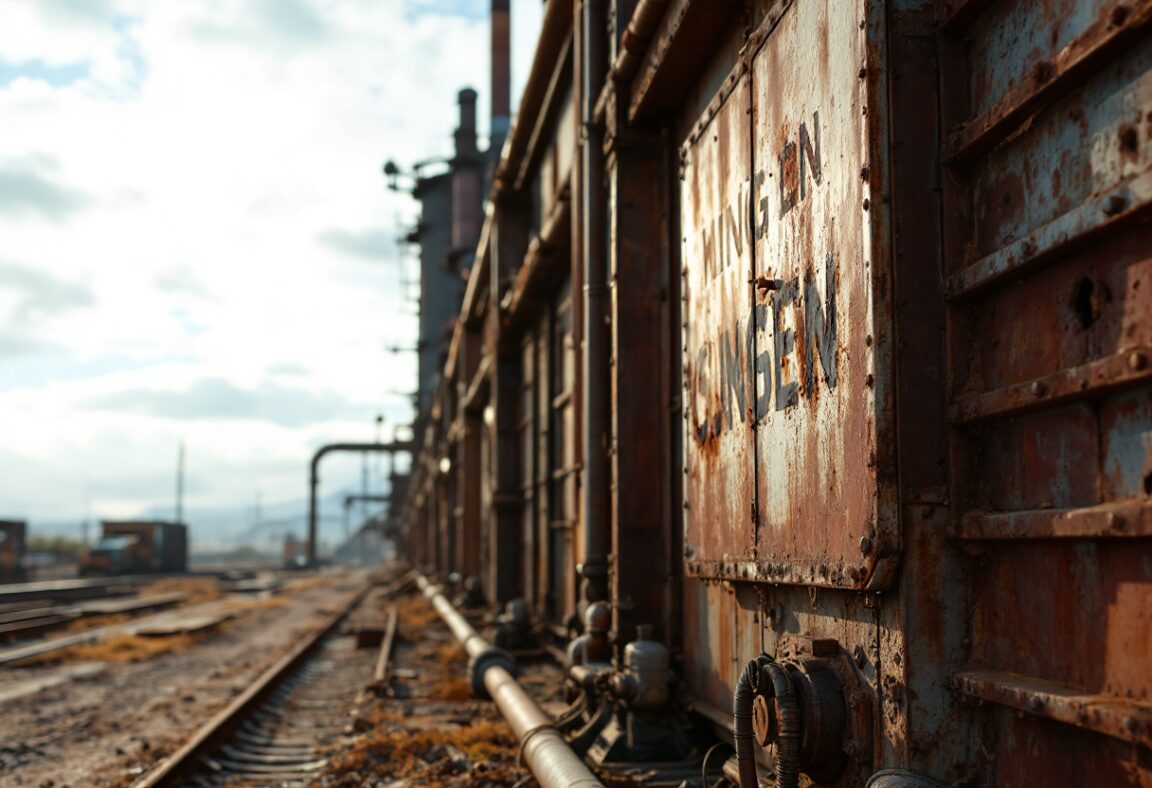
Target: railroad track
{"points": [[283, 729]]}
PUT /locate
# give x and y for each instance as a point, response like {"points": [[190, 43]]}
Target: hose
{"points": [[788, 726], [787, 718], [746, 688]]}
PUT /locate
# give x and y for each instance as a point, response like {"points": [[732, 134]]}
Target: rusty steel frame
{"points": [[1046, 193], [978, 548]]}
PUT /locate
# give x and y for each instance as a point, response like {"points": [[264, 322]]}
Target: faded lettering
{"points": [[779, 355], [735, 376]]}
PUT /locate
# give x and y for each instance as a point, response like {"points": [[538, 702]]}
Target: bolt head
{"points": [[1137, 361], [865, 545]]}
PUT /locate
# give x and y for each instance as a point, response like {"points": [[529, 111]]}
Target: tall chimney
{"points": [[466, 132], [466, 196], [501, 73]]}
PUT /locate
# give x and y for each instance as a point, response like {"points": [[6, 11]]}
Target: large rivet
{"points": [[1038, 389], [1137, 361], [865, 545]]}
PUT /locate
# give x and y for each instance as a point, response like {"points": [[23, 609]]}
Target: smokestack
{"points": [[466, 196], [466, 132], [501, 72]]}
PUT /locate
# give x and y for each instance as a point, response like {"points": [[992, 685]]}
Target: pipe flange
{"points": [[480, 663]]}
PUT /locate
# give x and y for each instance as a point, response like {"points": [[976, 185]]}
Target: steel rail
{"points": [[544, 749], [380, 674], [217, 728]]}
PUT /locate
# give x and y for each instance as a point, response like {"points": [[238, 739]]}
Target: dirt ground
{"points": [[426, 730], [103, 714]]}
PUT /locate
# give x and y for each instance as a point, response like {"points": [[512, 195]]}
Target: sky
{"points": [[197, 245]]}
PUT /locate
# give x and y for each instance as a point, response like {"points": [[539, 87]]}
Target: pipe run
{"points": [[544, 749], [596, 402], [314, 479], [634, 43]]}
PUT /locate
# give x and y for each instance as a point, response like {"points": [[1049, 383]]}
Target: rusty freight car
{"points": [[813, 339]]}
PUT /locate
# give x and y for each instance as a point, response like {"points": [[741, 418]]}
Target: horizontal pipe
{"points": [[584, 676], [547, 754], [641, 27], [554, 30]]}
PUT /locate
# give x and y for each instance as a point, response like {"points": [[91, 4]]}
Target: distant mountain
{"points": [[213, 529]]}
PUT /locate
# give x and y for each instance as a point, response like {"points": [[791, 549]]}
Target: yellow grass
{"points": [[457, 689], [305, 583], [403, 754], [198, 589], [120, 647], [94, 622], [416, 615], [251, 605]]}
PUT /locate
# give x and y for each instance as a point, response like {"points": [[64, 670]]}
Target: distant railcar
{"points": [[13, 548], [819, 334], [132, 547]]}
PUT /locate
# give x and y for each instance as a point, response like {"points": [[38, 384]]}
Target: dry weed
{"points": [[314, 581], [120, 647], [416, 615], [198, 589], [252, 605], [455, 689], [85, 623], [431, 757]]}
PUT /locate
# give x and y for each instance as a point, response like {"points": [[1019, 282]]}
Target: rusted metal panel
{"points": [[822, 319], [710, 661], [1019, 748], [788, 314], [716, 255], [1049, 272]]}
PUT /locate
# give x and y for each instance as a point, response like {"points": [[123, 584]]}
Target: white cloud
{"points": [[207, 198]]}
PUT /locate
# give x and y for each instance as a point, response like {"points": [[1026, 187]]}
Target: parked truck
{"points": [[137, 547], [13, 544]]}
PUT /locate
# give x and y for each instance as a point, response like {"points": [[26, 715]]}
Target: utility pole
{"points": [[180, 483]]}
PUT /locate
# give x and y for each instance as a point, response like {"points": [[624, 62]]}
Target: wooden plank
{"points": [[183, 626], [108, 607]]}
